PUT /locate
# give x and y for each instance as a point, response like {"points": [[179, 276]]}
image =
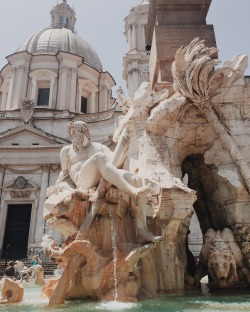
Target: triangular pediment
{"points": [[27, 135]]}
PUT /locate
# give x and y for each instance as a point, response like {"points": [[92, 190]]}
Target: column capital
{"points": [[45, 167]]}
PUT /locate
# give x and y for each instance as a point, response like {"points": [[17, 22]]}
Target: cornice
{"points": [[27, 148]]}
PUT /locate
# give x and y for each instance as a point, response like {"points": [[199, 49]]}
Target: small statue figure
{"points": [[123, 103]]}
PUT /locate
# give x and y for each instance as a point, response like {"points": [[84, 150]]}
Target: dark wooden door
{"points": [[17, 231]]}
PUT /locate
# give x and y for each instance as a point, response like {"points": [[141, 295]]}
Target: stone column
{"points": [[62, 87], [42, 197], [105, 97], [19, 86], [34, 89], [4, 101], [10, 91], [2, 171], [130, 38], [133, 36], [72, 97], [139, 37], [91, 104], [52, 84], [143, 39]]}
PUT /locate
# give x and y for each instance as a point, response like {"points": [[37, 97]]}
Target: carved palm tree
{"points": [[193, 73]]}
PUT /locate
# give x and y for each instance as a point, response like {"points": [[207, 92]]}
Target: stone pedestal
{"points": [[172, 24]]}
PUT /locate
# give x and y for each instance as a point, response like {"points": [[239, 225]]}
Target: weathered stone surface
{"points": [[143, 203], [12, 291], [222, 259]]}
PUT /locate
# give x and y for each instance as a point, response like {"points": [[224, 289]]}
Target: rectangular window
{"points": [[43, 97], [84, 102]]}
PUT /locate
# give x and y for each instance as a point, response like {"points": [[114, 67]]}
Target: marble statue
{"points": [[125, 214], [37, 274], [86, 162], [222, 260], [91, 186], [122, 102]]}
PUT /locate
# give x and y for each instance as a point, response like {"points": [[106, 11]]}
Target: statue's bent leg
{"points": [[99, 166]]}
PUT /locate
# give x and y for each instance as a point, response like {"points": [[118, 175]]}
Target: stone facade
{"points": [[53, 77], [135, 63], [172, 24]]}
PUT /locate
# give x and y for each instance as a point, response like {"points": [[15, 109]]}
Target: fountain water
{"points": [[114, 249], [192, 301]]}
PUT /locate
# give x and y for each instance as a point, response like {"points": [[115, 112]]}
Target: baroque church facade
{"points": [[55, 76]]}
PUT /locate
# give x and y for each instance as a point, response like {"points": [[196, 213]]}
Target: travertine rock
{"points": [[12, 291], [127, 213]]}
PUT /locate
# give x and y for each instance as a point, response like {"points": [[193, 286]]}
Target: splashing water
{"points": [[114, 249], [115, 306]]}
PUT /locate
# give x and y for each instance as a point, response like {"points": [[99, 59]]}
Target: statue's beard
{"points": [[78, 142]]}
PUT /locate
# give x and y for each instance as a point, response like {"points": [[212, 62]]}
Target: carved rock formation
{"points": [[190, 130], [91, 260], [12, 291]]}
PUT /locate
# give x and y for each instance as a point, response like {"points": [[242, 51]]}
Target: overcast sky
{"points": [[101, 23]]}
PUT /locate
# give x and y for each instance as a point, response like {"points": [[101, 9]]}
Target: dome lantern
{"points": [[63, 16]]}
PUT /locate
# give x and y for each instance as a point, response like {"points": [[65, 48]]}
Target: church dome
{"points": [[53, 40], [61, 36]]}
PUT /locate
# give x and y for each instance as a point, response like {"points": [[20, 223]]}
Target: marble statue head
{"points": [[80, 136]]}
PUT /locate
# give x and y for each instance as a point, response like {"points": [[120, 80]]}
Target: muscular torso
{"points": [[77, 158]]}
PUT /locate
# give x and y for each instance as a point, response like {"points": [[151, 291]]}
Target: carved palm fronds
{"points": [[193, 73]]}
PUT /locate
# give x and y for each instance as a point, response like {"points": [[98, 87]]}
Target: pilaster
{"points": [[42, 197]]}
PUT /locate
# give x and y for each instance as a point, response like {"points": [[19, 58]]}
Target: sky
{"points": [[101, 24]]}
